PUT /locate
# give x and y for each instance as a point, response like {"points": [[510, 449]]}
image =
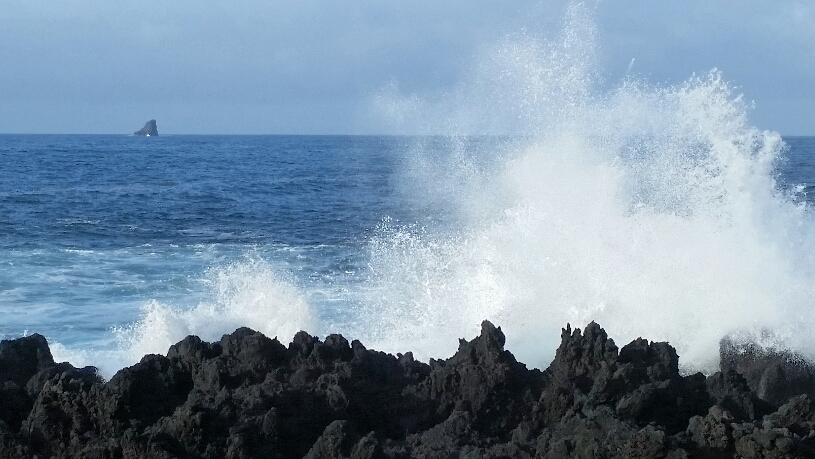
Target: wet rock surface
{"points": [[248, 396]]}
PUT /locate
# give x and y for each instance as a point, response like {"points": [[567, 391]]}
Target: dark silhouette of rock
{"points": [[774, 376], [249, 396], [150, 129], [22, 358], [730, 390]]}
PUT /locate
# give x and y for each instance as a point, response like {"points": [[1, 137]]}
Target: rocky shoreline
{"points": [[249, 396]]}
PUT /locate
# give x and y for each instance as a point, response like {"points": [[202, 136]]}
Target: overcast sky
{"points": [[313, 66]]}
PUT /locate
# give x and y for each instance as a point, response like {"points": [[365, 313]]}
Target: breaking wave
{"points": [[652, 210]]}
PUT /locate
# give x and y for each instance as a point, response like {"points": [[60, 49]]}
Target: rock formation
{"points": [[150, 129], [248, 396]]}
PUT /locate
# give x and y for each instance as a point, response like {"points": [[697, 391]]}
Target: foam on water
{"points": [[651, 210], [248, 293]]}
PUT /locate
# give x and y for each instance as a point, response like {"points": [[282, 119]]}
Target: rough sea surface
{"points": [[110, 240], [657, 211], [94, 228]]}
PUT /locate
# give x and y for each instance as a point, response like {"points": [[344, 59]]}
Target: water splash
{"points": [[247, 293], [652, 210]]}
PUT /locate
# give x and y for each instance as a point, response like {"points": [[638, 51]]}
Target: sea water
{"points": [[102, 236], [551, 196]]}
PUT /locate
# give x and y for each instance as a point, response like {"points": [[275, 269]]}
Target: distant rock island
{"points": [[150, 129]]}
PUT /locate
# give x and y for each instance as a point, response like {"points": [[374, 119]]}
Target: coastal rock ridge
{"points": [[150, 129], [249, 396]]}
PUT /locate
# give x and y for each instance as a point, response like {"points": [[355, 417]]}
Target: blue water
{"points": [[91, 227], [796, 168], [659, 211], [94, 228]]}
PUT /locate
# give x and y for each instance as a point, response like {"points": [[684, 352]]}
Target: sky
{"points": [[314, 66]]}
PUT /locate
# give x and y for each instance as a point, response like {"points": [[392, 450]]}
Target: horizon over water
{"points": [[657, 211], [114, 246]]}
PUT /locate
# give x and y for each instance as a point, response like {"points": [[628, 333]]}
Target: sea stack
{"points": [[149, 129]]}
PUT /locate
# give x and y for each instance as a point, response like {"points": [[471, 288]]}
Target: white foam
{"points": [[651, 210], [248, 293]]}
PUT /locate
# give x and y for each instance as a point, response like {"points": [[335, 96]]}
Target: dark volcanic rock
{"points": [[22, 358], [149, 129], [730, 390], [774, 376], [642, 383], [248, 396]]}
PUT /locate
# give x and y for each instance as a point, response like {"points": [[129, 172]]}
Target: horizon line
{"points": [[306, 135]]}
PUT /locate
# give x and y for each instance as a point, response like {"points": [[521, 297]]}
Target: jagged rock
{"points": [[248, 396], [148, 390], [35, 384], [14, 405], [730, 390], [583, 363], [20, 361], [788, 432], [150, 129], [335, 442], [774, 376], [22, 358], [63, 416], [340, 441], [642, 381], [714, 431], [484, 379]]}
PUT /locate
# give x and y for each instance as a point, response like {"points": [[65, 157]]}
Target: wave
{"points": [[653, 210], [246, 293]]}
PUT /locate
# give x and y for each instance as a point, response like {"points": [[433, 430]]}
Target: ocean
{"points": [[658, 211], [98, 231], [116, 246]]}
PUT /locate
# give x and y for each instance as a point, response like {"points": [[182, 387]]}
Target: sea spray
{"points": [[246, 293], [652, 210]]}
